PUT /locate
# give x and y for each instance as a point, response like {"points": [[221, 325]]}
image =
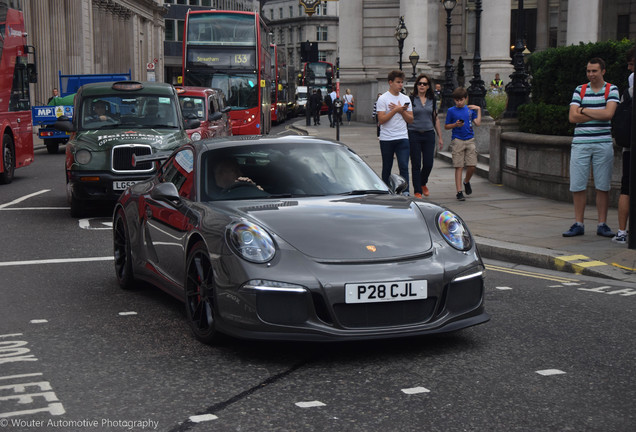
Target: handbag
{"points": [[352, 107]]}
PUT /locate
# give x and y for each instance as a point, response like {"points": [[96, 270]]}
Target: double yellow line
{"points": [[529, 274]]}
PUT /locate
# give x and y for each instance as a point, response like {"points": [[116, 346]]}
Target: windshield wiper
{"points": [[366, 192]]}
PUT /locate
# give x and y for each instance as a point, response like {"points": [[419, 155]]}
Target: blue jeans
{"points": [[401, 149], [422, 156]]}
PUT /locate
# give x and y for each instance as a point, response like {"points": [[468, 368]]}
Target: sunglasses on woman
{"points": [[422, 83]]}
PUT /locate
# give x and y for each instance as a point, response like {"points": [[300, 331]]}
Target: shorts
{"points": [[625, 176], [599, 156], [464, 152]]}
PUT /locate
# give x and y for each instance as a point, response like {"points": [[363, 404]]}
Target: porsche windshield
{"points": [[285, 170]]}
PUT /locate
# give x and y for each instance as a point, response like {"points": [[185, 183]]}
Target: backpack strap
{"points": [[583, 89], [607, 90]]}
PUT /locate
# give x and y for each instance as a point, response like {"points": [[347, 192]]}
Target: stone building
{"points": [[94, 36]]}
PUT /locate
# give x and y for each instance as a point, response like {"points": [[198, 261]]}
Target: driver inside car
{"points": [[99, 112], [227, 175]]}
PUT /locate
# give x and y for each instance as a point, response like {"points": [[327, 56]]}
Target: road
{"points": [[77, 353]]}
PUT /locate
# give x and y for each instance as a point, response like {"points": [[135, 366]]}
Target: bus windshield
{"points": [[221, 29], [241, 90]]}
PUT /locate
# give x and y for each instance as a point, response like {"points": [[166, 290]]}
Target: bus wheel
{"points": [[8, 158]]}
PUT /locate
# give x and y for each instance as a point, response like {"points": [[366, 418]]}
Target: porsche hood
{"points": [[353, 228]]}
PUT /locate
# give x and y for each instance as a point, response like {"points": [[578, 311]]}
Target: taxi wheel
{"points": [[8, 158], [122, 252], [78, 209], [200, 296]]}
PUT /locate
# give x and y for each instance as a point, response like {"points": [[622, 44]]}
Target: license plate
{"points": [[123, 184], [385, 291]]}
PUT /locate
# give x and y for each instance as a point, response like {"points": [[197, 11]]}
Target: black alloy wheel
{"points": [[200, 295], [122, 253]]}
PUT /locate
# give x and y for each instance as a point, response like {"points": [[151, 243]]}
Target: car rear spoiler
{"points": [[160, 156]]}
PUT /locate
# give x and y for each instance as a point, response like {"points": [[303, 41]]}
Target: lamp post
{"points": [[447, 93], [477, 90], [518, 88], [414, 58], [400, 34]]}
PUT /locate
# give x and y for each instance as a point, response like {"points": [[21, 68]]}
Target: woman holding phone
{"points": [[422, 134]]}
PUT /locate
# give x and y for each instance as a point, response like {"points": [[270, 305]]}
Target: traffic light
{"points": [[308, 51]]}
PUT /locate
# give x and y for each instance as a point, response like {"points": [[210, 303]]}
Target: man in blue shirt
{"points": [[461, 119]]}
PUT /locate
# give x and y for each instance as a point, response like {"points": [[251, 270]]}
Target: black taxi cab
{"points": [[112, 122]]}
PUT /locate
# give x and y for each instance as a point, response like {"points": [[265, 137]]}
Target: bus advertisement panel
{"points": [[229, 50], [15, 106], [280, 85]]}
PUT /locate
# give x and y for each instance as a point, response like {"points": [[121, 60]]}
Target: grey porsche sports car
{"points": [[295, 238]]}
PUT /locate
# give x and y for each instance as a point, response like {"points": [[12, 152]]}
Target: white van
{"points": [[301, 100]]}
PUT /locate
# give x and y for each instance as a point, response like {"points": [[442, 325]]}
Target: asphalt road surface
{"points": [[77, 353]]}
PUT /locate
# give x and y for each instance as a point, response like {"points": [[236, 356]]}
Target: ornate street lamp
{"points": [[414, 58], [518, 88], [447, 93], [400, 34], [477, 90]]}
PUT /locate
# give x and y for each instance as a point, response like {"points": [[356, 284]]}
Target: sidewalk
{"points": [[507, 225]]}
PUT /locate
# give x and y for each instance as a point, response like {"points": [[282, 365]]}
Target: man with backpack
{"points": [[592, 108], [621, 124]]}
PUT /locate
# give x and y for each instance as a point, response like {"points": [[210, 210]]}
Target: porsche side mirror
{"points": [[216, 116], [166, 192], [397, 184]]}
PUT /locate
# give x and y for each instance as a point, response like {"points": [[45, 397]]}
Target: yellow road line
{"points": [[623, 267], [529, 274]]}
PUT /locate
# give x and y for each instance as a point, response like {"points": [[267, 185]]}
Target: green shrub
{"points": [[556, 72], [496, 104]]}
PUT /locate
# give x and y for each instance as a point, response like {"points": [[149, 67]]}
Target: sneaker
{"points": [[604, 231], [620, 238], [425, 191], [469, 189], [417, 195], [575, 230], [460, 196]]}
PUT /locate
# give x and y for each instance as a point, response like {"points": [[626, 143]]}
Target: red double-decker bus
{"points": [[15, 106], [280, 84], [230, 50]]}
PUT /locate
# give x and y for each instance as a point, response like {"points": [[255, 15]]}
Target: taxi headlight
{"points": [[251, 242], [196, 136], [83, 157], [454, 231]]}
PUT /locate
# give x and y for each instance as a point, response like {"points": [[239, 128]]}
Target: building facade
{"points": [[93, 36]]}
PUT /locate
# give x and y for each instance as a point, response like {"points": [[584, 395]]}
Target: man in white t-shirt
{"points": [[394, 112]]}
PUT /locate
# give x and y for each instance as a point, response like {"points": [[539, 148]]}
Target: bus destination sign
{"points": [[233, 59]]}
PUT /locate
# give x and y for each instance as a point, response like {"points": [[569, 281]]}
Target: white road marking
{"points": [[86, 224], [34, 208], [54, 261], [503, 288], [26, 197], [310, 404], [548, 372], [38, 321], [202, 418], [127, 313], [415, 390]]}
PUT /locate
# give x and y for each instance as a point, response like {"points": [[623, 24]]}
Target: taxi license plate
{"points": [[121, 185], [386, 291]]}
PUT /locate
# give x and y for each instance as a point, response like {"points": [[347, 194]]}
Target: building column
{"points": [[414, 15], [495, 40], [583, 22], [543, 25], [350, 40]]}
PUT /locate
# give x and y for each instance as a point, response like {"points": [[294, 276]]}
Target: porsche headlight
{"points": [[454, 231], [252, 242], [83, 157], [196, 136]]}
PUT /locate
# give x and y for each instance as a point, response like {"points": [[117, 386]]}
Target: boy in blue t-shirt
{"points": [[461, 119]]}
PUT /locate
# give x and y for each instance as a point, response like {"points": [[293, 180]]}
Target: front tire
{"points": [[8, 158], [200, 295], [122, 252]]}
